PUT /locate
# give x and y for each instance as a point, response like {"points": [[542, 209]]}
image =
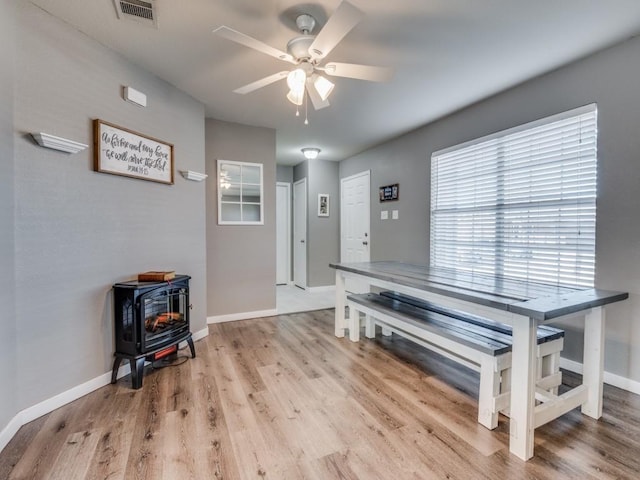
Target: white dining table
{"points": [[522, 304]]}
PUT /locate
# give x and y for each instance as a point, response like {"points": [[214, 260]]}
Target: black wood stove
{"points": [[151, 318]]}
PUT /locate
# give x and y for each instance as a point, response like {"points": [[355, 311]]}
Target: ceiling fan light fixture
{"points": [[295, 97], [311, 153], [323, 86], [296, 80]]}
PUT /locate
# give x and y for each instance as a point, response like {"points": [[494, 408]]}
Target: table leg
{"points": [[523, 384], [340, 320], [593, 361]]}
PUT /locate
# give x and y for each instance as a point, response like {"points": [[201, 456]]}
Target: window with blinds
{"points": [[520, 203]]}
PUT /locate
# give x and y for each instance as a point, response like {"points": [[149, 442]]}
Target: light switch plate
{"points": [[394, 214], [384, 214]]}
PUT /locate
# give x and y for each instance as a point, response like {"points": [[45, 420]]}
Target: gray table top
{"points": [[535, 300]]}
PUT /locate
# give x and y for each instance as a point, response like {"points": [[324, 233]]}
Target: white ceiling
{"points": [[446, 54]]}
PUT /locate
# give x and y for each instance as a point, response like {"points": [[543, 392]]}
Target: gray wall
{"points": [[78, 231], [8, 337], [323, 233], [403, 161], [284, 173], [609, 78], [241, 259], [300, 171]]}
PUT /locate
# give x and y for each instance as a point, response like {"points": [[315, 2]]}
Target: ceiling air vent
{"points": [[140, 11]]}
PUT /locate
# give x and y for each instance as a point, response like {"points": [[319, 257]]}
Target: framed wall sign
{"points": [[323, 204], [121, 151], [389, 192]]}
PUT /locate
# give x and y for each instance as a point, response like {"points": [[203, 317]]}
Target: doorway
{"points": [[283, 233], [300, 233]]}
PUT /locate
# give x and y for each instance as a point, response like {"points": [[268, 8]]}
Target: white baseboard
{"points": [[609, 378], [10, 430], [231, 317], [47, 406], [200, 334], [325, 288]]}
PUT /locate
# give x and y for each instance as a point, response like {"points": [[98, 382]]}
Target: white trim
{"points": [[300, 282], [57, 401], [241, 202], [49, 405], [287, 185], [200, 334], [325, 288], [10, 430], [536, 123], [231, 317], [612, 379]]}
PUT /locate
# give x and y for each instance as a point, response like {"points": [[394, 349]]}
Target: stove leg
{"points": [[137, 372], [116, 366], [191, 347]]}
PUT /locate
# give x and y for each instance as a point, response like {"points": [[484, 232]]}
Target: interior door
{"points": [[355, 241], [283, 233], [300, 233]]}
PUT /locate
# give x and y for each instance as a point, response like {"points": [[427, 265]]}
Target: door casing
{"points": [[300, 233], [283, 233]]}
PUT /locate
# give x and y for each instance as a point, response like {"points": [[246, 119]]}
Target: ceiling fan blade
{"points": [[247, 41], [361, 72], [316, 100], [263, 82], [339, 24]]}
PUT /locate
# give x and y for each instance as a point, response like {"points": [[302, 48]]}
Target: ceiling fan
{"points": [[308, 52]]}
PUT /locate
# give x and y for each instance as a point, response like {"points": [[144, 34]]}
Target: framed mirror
{"points": [[240, 193]]}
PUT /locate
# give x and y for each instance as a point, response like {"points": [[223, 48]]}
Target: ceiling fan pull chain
{"points": [[306, 113]]}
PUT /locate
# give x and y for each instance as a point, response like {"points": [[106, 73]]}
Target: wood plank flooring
{"points": [[282, 398]]}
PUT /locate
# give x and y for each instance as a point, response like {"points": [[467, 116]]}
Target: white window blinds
{"points": [[521, 203]]}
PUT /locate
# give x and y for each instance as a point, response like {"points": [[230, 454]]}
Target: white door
{"points": [[283, 233], [355, 240], [300, 233]]}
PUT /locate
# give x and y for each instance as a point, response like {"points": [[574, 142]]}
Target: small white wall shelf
{"points": [[194, 176], [58, 143]]}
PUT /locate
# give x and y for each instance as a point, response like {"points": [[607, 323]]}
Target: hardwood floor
{"points": [[282, 398]]}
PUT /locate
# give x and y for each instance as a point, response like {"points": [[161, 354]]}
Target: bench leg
{"points": [[489, 389], [369, 327], [549, 375], [551, 366], [354, 324], [505, 387]]}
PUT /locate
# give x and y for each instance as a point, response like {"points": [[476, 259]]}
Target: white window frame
{"points": [[222, 220], [520, 203]]}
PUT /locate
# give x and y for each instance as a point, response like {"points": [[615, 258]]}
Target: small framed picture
{"points": [[389, 192], [323, 204]]}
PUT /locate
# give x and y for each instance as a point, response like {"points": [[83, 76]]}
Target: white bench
{"points": [[478, 343]]}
